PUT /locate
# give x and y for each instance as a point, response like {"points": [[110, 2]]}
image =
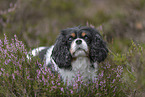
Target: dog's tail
{"points": [[35, 52]]}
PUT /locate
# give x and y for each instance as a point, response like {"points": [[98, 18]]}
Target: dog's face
{"points": [[78, 42]]}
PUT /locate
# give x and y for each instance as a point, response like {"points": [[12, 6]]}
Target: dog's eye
{"points": [[70, 39], [86, 38]]}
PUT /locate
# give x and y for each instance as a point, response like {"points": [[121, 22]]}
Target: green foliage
{"points": [[119, 75], [136, 61], [134, 68]]}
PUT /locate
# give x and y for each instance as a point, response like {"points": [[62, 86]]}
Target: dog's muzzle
{"points": [[79, 48]]}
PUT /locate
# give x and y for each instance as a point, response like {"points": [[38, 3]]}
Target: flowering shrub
{"points": [[22, 77]]}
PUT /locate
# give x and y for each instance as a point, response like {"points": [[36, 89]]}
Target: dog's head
{"points": [[78, 42]]}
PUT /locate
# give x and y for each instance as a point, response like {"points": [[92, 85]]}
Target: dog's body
{"points": [[76, 50]]}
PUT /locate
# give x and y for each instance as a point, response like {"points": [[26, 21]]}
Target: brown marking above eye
{"points": [[73, 35], [83, 34]]}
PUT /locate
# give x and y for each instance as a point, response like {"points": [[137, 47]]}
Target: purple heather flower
{"points": [[43, 78], [114, 89], [7, 74], [6, 62], [104, 81], [28, 77], [52, 82], [118, 75], [113, 80], [62, 89], [45, 69], [17, 72], [101, 82], [108, 65], [2, 69], [53, 87], [13, 76], [5, 40], [71, 91], [102, 73], [1, 43], [37, 77], [58, 84], [109, 76]]}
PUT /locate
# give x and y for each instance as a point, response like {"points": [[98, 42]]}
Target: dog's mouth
{"points": [[80, 52], [80, 49]]}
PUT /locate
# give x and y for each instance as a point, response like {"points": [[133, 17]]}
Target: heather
{"points": [[22, 77]]}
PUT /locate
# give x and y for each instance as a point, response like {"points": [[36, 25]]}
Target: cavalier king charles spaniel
{"points": [[77, 49]]}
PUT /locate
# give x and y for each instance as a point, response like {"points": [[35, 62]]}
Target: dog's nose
{"points": [[79, 42]]}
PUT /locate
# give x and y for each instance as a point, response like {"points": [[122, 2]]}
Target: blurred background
{"points": [[38, 22]]}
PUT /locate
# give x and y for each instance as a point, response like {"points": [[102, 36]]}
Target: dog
{"points": [[77, 49]]}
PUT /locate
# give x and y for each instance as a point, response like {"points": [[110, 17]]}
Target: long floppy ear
{"points": [[98, 48], [60, 53]]}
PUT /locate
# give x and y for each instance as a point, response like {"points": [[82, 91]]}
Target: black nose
{"points": [[79, 42]]}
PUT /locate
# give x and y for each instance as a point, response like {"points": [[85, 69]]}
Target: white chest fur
{"points": [[80, 66]]}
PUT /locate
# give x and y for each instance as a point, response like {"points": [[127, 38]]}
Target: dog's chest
{"points": [[80, 66]]}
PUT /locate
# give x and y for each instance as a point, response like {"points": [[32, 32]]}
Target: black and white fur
{"points": [[77, 49]]}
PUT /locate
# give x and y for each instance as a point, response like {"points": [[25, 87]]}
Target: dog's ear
{"points": [[60, 53], [98, 48]]}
